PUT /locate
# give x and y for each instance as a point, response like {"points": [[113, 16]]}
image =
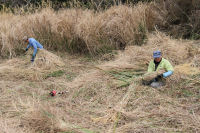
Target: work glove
{"points": [[25, 52], [32, 59], [159, 76]]}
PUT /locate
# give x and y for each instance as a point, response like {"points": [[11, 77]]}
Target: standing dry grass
{"points": [[78, 30]]}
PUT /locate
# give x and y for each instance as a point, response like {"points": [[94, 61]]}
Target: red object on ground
{"points": [[53, 93]]}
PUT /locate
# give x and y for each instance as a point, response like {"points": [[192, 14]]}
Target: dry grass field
{"points": [[95, 94]]}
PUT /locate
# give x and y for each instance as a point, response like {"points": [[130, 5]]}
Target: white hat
{"points": [[25, 38]]}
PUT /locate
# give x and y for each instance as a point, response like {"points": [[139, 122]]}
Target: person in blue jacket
{"points": [[32, 43]]}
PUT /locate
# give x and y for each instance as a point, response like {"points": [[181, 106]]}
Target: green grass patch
{"points": [[58, 73], [125, 77]]}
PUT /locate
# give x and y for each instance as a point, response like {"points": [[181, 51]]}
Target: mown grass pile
{"points": [[108, 97], [22, 68]]}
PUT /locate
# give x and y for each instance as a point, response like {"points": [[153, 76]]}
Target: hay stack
{"points": [[182, 72], [45, 60], [21, 68], [187, 69]]}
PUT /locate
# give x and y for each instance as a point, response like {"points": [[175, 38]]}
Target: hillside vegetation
{"points": [[95, 58], [79, 30]]}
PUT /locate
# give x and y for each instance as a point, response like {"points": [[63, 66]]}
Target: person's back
{"points": [[34, 43]]}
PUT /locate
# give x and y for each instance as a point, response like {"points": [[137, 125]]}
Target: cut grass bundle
{"points": [[152, 75], [187, 69], [22, 68], [47, 60]]}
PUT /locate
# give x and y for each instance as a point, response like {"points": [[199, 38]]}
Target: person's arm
{"points": [[167, 74], [27, 47], [169, 69]]}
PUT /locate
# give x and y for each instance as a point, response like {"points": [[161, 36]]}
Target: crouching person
{"points": [[32, 43], [161, 67]]}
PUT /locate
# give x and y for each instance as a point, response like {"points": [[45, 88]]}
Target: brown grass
{"points": [[46, 60], [78, 30], [180, 18], [103, 96], [97, 100], [40, 120], [22, 68]]}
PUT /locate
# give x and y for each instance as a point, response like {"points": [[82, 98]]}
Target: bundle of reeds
{"points": [[47, 60], [152, 75], [22, 68]]}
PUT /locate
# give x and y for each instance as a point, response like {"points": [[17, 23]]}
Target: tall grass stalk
{"points": [[77, 30]]}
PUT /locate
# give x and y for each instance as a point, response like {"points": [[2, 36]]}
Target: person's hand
{"points": [[25, 52], [159, 76]]}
